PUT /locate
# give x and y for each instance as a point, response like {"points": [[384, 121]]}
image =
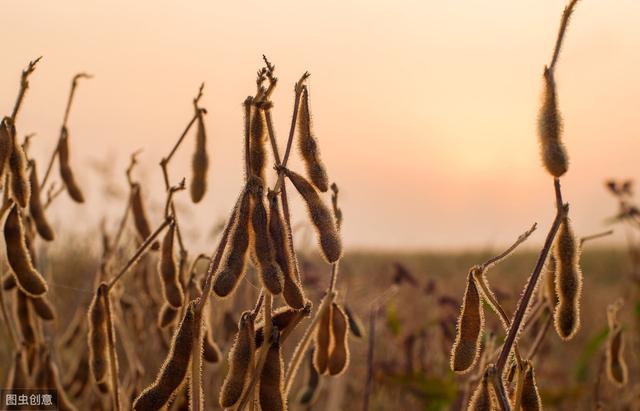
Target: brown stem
{"points": [[498, 387], [521, 239], [24, 85], [564, 22], [143, 247], [595, 236], [533, 280], [113, 360], [52, 194], [247, 136]]}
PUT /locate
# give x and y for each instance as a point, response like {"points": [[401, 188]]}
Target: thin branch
{"points": [[141, 250], [52, 194], [595, 236], [521, 239], [564, 22], [113, 359], [24, 85]]}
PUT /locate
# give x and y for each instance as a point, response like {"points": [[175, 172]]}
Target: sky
{"points": [[425, 111]]}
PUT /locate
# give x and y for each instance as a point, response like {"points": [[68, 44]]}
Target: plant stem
{"points": [[24, 85], [113, 359]]}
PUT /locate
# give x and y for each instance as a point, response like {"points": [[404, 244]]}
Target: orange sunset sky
{"points": [[425, 110]]}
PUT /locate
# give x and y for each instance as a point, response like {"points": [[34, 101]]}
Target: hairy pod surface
{"points": [[257, 151], [25, 319], [323, 341], [199, 162], [35, 207], [139, 212], [240, 361], [175, 367], [98, 334], [6, 145], [530, 400], [291, 288], [272, 396], [28, 279], [483, 396], [568, 282], [321, 217], [234, 260], [281, 318], [308, 146], [549, 289], [465, 350], [19, 181], [356, 327], [339, 356], [554, 154], [168, 270], [66, 174], [270, 272], [43, 308]]}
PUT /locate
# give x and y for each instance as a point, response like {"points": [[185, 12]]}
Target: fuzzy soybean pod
{"points": [[568, 282], [139, 212], [240, 360], [43, 308], [281, 318], [270, 272], [323, 341], [6, 145], [291, 288], [549, 289], [465, 350], [98, 333], [168, 270], [483, 397], [199, 162], [617, 370], [175, 366], [339, 356], [272, 396], [308, 146], [35, 207], [530, 400], [66, 174], [233, 264], [19, 181], [321, 217], [257, 151], [25, 319], [210, 350], [554, 154], [355, 324], [27, 277]]}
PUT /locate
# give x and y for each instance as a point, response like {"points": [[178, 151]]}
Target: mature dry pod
{"points": [[43, 308], [240, 361], [291, 288], [98, 355], [18, 376], [199, 162], [568, 282], [270, 272], [554, 154], [168, 270], [65, 169], [617, 370], [355, 324], [8, 282], [257, 151], [280, 318], [339, 356], [308, 147], [25, 319], [166, 315], [530, 400], [19, 181], [465, 350], [483, 397], [35, 207], [6, 145], [210, 350], [140, 219], [308, 395], [272, 396], [175, 367], [232, 267], [320, 216], [323, 341]]}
